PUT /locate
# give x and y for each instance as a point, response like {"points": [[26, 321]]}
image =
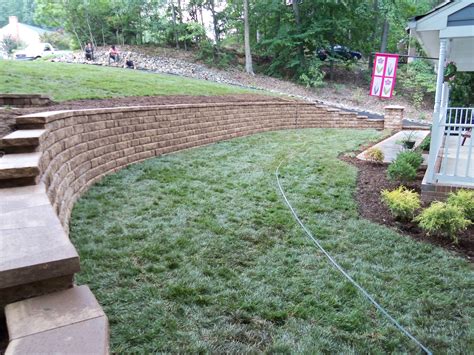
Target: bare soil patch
{"points": [[371, 180]]}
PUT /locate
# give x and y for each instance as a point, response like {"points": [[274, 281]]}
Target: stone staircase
{"points": [[44, 311]]}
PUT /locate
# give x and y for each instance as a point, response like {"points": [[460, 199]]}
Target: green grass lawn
{"points": [[79, 81], [197, 252]]}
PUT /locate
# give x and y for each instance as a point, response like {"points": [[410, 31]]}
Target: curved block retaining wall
{"points": [[70, 150], [79, 147]]}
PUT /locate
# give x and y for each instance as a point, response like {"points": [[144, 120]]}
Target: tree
{"points": [[23, 9], [248, 54]]}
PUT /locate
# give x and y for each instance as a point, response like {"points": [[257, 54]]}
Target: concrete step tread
{"points": [[15, 198], [48, 312], [25, 133], [22, 191], [86, 337], [34, 246], [19, 165], [22, 137]]}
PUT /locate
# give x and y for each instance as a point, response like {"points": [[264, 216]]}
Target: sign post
{"points": [[384, 73]]}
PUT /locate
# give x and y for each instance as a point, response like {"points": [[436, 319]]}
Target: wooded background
{"points": [[283, 36]]}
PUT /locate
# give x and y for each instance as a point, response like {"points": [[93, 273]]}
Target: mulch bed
{"points": [[372, 179]]}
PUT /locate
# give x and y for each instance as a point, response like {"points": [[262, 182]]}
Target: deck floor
{"points": [[453, 152]]}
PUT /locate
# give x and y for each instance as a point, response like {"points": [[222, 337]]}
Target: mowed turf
{"points": [[197, 252], [80, 81]]}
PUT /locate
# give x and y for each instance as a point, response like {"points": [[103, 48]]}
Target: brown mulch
{"points": [[371, 180]]}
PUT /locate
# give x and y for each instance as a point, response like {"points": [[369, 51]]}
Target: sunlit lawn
{"points": [[80, 81], [196, 251]]}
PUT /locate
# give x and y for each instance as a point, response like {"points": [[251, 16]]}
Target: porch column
{"points": [[436, 134]]}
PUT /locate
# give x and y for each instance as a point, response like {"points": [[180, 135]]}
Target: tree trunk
{"points": [[103, 35], [383, 46], [375, 23], [202, 18], [296, 12], [175, 29], [248, 54]]}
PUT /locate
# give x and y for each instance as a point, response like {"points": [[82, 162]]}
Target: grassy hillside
{"points": [[196, 252], [71, 82]]}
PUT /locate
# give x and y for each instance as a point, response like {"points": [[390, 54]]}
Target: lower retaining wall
{"points": [[80, 147], [24, 100], [76, 149]]}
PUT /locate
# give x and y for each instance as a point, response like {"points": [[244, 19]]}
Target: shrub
{"points": [[401, 170], [402, 202], [443, 218], [313, 76], [411, 157], [9, 44], [425, 145], [374, 155], [463, 199], [58, 40], [418, 81]]}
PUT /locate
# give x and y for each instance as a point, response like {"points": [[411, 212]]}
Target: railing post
{"points": [[436, 135]]}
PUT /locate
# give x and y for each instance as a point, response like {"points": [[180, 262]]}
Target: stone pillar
{"points": [[393, 117]]}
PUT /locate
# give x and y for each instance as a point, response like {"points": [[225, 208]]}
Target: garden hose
{"points": [[343, 272]]}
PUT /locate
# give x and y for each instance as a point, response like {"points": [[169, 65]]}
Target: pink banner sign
{"points": [[383, 75]]}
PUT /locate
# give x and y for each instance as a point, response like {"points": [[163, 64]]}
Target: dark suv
{"points": [[339, 51]]}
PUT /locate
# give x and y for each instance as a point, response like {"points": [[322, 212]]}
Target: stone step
{"points": [[22, 138], [29, 125], [15, 169], [66, 322], [36, 256]]}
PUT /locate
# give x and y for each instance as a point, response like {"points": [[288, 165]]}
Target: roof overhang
{"points": [[452, 20]]}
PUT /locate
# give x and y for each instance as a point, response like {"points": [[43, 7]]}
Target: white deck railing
{"points": [[455, 163]]}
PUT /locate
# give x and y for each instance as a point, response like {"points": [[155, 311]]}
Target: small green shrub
{"points": [[464, 199], [412, 157], [402, 203], [401, 170], [314, 75], [425, 145], [443, 218], [374, 155], [58, 40]]}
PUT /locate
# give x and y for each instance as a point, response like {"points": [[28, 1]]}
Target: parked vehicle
{"points": [[338, 51], [35, 51]]}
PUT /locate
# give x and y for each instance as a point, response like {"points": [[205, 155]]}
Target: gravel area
{"points": [[353, 96]]}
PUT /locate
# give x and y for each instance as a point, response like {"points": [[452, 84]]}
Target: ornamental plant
{"points": [[425, 145], [443, 219], [402, 202], [374, 155], [450, 71], [401, 170], [413, 158], [463, 199]]}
